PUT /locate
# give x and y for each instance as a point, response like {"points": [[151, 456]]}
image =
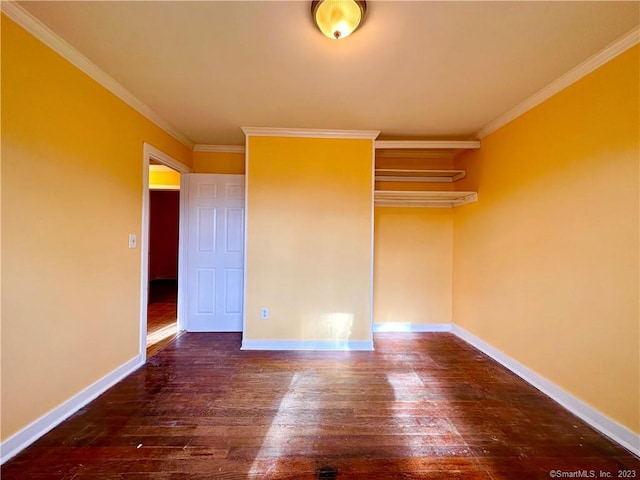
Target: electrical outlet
{"points": [[264, 313]]}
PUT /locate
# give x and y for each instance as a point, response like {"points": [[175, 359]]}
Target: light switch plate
{"points": [[133, 240]]}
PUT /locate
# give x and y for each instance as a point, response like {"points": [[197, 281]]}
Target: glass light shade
{"points": [[338, 18]]}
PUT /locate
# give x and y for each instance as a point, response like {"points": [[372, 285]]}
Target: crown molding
{"points": [[589, 65], [309, 133], [218, 148], [43, 33], [428, 144]]}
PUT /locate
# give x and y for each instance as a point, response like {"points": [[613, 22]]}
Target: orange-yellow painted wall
{"points": [[164, 180], [309, 229], [71, 194], [546, 263], [229, 163], [412, 265]]}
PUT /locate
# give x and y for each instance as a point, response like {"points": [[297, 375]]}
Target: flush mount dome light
{"points": [[338, 18]]}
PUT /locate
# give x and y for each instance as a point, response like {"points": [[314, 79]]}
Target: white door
{"points": [[215, 251]]}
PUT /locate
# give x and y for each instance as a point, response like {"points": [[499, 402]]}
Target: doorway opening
{"points": [[163, 251], [164, 225]]}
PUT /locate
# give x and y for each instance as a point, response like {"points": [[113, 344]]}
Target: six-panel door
{"points": [[215, 253]]}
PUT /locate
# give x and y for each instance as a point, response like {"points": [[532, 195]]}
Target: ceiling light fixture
{"points": [[338, 18]]}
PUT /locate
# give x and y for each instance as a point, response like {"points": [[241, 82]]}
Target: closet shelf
{"points": [[447, 199], [427, 176], [415, 164]]}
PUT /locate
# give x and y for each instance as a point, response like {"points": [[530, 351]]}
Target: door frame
{"points": [[149, 152]]}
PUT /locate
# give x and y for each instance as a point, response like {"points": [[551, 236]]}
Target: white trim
{"points": [[219, 148], [246, 236], [378, 144], [428, 144], [373, 233], [345, 345], [183, 229], [43, 33], [612, 429], [144, 253], [152, 152], [164, 187], [613, 50], [411, 327], [309, 133], [29, 434]]}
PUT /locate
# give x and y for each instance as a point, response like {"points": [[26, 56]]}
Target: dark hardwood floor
{"points": [[420, 406]]}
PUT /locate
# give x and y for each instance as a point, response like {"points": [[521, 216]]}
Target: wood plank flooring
{"points": [[162, 326], [422, 406], [162, 315]]}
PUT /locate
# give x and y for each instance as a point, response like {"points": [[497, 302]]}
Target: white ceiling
{"points": [[414, 70]]}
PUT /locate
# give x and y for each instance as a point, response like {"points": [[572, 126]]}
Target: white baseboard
{"points": [[25, 437], [411, 327], [612, 429], [307, 345]]}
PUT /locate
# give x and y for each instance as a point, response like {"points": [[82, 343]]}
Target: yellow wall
{"points": [[71, 194], [229, 163], [309, 204], [164, 180], [546, 263], [412, 265]]}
